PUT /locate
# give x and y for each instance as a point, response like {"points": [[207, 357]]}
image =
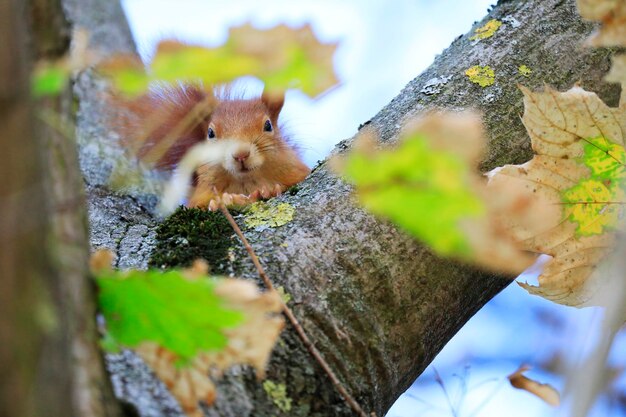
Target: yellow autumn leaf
{"points": [[50, 77], [291, 58], [578, 172], [544, 391]]}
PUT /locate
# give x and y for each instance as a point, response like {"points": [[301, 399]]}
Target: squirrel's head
{"points": [[252, 126]]}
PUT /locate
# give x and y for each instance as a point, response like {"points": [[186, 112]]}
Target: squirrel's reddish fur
{"points": [[158, 116], [165, 123]]}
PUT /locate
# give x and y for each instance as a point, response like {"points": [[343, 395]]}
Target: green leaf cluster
{"points": [[183, 316], [425, 191]]}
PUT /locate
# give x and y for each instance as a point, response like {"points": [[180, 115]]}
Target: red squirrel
{"points": [[250, 157]]}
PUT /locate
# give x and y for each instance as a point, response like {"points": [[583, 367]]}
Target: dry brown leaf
{"points": [[101, 260], [285, 44], [249, 343], [582, 207], [612, 15], [544, 391], [198, 269]]}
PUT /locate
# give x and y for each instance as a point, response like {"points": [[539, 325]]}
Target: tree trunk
{"points": [[378, 305], [49, 357], [22, 287]]}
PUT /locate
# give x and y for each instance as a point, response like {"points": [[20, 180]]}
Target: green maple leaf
{"points": [[175, 61], [183, 316], [186, 326], [281, 57], [425, 191]]}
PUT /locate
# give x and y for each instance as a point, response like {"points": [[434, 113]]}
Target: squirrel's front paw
{"points": [[267, 192], [228, 200], [211, 199]]}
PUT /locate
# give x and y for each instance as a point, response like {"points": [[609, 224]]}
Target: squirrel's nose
{"points": [[241, 156]]}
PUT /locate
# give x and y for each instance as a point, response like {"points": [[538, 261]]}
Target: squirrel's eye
{"points": [[267, 127], [211, 133]]}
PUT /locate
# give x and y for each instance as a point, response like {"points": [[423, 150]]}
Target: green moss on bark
{"points": [[189, 234]]}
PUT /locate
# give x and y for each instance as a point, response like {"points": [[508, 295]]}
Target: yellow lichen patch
{"points": [[486, 31], [525, 70], [483, 76], [278, 394], [284, 295], [263, 214]]}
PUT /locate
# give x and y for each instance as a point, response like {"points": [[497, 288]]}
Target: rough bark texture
{"points": [[378, 305]]}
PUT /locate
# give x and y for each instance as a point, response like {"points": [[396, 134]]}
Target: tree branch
{"points": [[294, 321]]}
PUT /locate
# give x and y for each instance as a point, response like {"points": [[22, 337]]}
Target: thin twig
{"points": [[445, 392], [294, 321]]}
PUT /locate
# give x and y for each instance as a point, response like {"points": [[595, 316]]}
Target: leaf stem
{"points": [[294, 321]]}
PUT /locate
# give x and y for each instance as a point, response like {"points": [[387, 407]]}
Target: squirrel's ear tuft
{"points": [[274, 102]]}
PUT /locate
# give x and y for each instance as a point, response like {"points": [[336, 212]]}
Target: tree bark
{"points": [[49, 357], [22, 287], [378, 305]]}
